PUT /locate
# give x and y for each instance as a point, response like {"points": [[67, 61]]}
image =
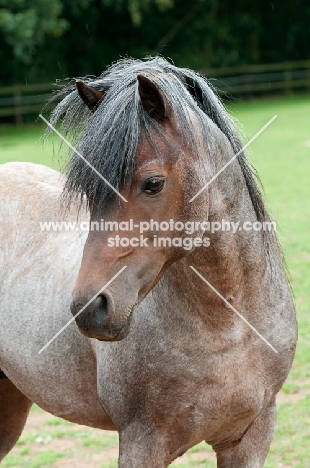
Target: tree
{"points": [[25, 23], [41, 40]]}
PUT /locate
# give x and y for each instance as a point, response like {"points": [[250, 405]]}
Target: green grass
{"points": [[282, 157], [26, 144]]}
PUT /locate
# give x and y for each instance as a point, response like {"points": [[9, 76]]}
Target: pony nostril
{"points": [[101, 310], [102, 303], [98, 312]]}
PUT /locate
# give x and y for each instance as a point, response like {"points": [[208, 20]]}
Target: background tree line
{"points": [[41, 40]]}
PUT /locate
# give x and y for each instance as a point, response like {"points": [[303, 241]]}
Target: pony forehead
{"points": [[109, 138]]}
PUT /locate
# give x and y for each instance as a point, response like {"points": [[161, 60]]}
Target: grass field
{"points": [[282, 156]]}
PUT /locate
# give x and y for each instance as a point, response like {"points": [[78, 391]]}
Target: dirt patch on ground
{"points": [[95, 461], [296, 395]]}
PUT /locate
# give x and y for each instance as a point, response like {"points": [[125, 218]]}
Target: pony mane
{"points": [[109, 137]]}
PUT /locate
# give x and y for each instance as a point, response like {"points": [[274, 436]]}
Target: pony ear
{"points": [[151, 98], [91, 96]]}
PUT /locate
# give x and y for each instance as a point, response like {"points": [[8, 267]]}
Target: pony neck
{"points": [[235, 264]]}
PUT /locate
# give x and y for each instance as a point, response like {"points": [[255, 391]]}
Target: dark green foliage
{"points": [[41, 40]]}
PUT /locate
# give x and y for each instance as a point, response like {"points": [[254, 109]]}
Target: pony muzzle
{"points": [[99, 319]]}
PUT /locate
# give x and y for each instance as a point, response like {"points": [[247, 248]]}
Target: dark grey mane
{"points": [[109, 138]]}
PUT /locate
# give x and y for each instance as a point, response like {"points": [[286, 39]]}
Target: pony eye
{"points": [[153, 186]]}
